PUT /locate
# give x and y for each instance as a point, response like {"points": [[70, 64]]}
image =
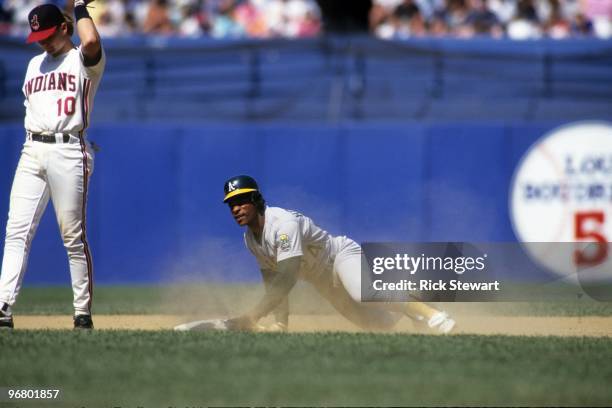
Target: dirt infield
{"points": [[486, 325]]}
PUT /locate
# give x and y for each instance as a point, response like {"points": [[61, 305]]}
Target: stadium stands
{"points": [[339, 78]]}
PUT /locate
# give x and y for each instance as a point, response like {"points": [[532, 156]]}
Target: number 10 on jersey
{"points": [[67, 105]]}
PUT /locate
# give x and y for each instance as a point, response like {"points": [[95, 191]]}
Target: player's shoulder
{"points": [[77, 53], [101, 60], [35, 64], [280, 215], [280, 220], [38, 58]]}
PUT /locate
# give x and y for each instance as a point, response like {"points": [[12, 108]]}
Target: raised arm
{"points": [[91, 47]]}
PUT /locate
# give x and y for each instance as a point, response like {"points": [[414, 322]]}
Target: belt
{"points": [[39, 137]]}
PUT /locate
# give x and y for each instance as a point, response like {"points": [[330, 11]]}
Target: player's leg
{"points": [[342, 288], [29, 198], [69, 170], [347, 267], [428, 317], [361, 314]]}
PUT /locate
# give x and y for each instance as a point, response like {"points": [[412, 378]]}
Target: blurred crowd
{"points": [[187, 18], [515, 19]]}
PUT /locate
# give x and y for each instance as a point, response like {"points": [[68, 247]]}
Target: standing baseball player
{"points": [[289, 246], [56, 160]]}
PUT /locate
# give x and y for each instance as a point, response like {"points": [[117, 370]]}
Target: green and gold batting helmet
{"points": [[243, 184], [239, 185]]}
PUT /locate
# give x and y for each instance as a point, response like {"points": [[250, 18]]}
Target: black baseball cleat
{"points": [[83, 322], [6, 322]]}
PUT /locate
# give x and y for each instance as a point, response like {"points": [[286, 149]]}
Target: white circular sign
{"points": [[562, 193]]}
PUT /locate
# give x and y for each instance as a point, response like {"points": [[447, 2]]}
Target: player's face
{"points": [[243, 210], [56, 42]]}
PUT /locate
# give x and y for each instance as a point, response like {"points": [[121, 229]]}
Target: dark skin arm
{"points": [[278, 287], [277, 291], [281, 313]]}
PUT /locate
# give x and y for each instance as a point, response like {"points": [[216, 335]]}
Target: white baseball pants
{"points": [[60, 172], [345, 296]]}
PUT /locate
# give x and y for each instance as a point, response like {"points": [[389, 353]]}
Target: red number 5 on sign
{"points": [[587, 227]]}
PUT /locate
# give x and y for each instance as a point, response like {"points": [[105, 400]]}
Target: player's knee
{"points": [[17, 236], [355, 294], [73, 241], [18, 229], [71, 230], [74, 248]]}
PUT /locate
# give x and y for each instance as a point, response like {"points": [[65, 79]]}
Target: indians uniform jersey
{"points": [[288, 234], [59, 92]]}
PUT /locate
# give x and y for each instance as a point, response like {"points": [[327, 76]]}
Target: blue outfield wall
{"points": [[155, 210]]}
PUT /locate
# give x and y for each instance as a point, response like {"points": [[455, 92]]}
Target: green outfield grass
{"points": [[168, 369], [223, 299]]}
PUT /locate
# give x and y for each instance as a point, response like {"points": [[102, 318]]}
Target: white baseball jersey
{"points": [[59, 92], [331, 264], [288, 234]]}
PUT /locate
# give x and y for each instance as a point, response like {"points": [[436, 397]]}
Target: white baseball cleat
{"points": [[209, 324], [441, 322]]}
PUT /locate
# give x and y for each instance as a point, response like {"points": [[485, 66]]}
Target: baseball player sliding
{"points": [[56, 160], [289, 246]]}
